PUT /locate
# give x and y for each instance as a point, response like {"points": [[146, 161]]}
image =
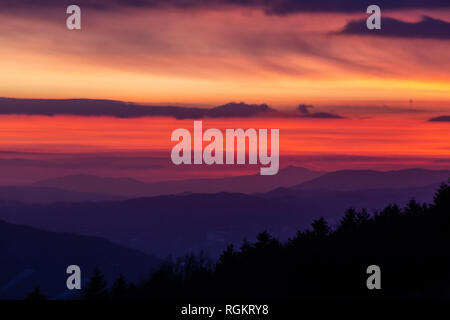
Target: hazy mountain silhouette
{"points": [[286, 177], [407, 244], [114, 186], [30, 194], [347, 180], [31, 257], [297, 178], [176, 224]]}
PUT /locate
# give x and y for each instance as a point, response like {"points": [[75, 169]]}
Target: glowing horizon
{"points": [[35, 147]]}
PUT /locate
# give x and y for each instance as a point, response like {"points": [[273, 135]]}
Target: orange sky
{"points": [[210, 57], [370, 137], [71, 144]]}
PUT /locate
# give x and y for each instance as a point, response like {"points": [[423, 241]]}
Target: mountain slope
{"points": [[347, 180], [134, 188], [176, 224], [30, 194], [30, 257]]}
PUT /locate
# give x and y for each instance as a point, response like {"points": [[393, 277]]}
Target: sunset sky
{"points": [[385, 84], [214, 54]]}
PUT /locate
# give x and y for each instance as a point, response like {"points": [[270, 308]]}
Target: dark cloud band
{"points": [[440, 119], [270, 6], [427, 28], [119, 109]]}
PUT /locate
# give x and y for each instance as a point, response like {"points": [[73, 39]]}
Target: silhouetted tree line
{"points": [[410, 245], [36, 295]]}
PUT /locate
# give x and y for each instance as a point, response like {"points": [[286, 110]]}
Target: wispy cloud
{"points": [[427, 28], [211, 56], [440, 119]]}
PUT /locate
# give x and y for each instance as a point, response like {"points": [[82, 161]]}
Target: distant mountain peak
{"points": [[129, 187], [346, 180]]}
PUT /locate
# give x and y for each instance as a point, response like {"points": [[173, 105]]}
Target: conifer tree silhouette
{"points": [[442, 197], [36, 295], [321, 229], [119, 288], [96, 288]]}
